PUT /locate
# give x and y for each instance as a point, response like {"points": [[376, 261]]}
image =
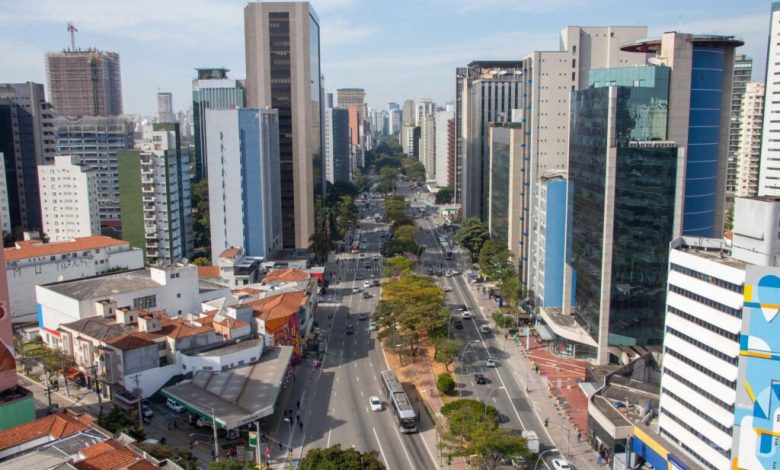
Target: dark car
{"points": [[363, 316], [480, 379], [348, 329], [458, 324], [366, 295]]}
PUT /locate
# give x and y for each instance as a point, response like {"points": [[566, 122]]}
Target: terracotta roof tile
{"points": [[232, 323], [182, 328], [281, 305], [56, 426], [230, 253], [286, 275], [35, 248], [208, 272], [107, 455], [129, 342]]}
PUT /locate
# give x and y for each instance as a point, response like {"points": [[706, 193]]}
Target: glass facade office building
{"points": [[622, 192]]}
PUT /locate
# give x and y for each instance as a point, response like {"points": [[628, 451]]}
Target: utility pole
{"points": [[257, 445], [140, 398], [214, 428]]}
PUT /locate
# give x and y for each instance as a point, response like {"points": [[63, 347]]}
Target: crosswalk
{"points": [[361, 268]]}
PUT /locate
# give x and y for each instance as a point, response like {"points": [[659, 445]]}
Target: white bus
{"points": [[399, 402]]}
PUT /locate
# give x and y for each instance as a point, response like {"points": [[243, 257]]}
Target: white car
{"points": [[174, 406], [466, 315], [561, 464], [456, 272], [490, 362], [376, 403], [355, 290], [366, 284], [448, 273], [484, 329]]}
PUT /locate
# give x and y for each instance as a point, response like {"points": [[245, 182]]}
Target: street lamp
{"points": [[552, 449], [488, 398], [462, 355], [289, 439]]}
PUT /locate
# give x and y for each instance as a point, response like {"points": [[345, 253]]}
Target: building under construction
{"points": [[84, 82]]}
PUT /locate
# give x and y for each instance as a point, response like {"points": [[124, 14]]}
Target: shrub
{"points": [[503, 321], [445, 383]]}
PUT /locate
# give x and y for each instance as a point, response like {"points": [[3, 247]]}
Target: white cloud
{"points": [[468, 7]]}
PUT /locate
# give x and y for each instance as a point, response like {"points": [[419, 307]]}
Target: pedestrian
{"points": [[579, 436], [299, 404], [506, 336], [300, 423], [281, 447], [298, 418]]}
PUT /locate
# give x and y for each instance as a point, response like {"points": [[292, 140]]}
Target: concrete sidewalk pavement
{"points": [[561, 431]]}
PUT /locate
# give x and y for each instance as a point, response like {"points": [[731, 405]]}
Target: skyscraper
{"points": [[442, 152], [211, 90], [165, 107], [26, 141], [699, 119], [337, 145], [97, 140], [769, 170], [84, 82], [743, 68], [69, 201], [749, 152], [283, 73], [408, 117], [155, 197], [244, 189]]}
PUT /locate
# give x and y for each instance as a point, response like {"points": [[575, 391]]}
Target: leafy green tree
{"points": [[405, 232], [180, 457], [199, 193], [387, 179], [512, 291], [398, 264], [395, 209], [347, 214], [447, 350], [361, 183], [494, 260], [118, 420], [336, 458], [341, 188], [201, 261], [396, 247], [473, 430], [444, 196], [414, 169], [445, 383], [472, 234], [320, 244]]}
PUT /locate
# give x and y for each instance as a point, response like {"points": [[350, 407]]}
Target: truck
{"points": [[531, 441], [377, 217]]}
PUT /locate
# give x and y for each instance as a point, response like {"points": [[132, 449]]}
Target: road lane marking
{"points": [[403, 447], [327, 444], [379, 443]]}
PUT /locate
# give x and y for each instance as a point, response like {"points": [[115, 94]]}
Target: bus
{"points": [[398, 400], [356, 246], [447, 249]]}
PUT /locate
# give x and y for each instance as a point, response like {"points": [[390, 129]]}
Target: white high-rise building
{"points": [[425, 107], [69, 199], [427, 145], [442, 152], [165, 107], [242, 146], [393, 121], [715, 403], [749, 149], [769, 171]]}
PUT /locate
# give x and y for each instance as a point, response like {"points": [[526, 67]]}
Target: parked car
{"points": [[561, 464], [174, 406], [373, 326], [146, 411], [480, 379], [376, 403]]}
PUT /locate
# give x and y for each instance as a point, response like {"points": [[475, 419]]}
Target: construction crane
{"points": [[72, 30]]}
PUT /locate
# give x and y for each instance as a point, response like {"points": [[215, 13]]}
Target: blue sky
{"points": [[394, 49]]}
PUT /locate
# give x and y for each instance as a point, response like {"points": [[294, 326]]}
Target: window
{"points": [[150, 301]]}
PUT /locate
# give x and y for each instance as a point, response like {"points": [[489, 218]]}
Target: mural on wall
{"points": [[757, 410]]}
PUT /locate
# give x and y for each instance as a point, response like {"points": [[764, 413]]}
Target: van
{"points": [[174, 406]]}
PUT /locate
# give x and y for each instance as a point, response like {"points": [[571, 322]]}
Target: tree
{"points": [[398, 264], [387, 179], [336, 458], [414, 169], [395, 209], [199, 192], [180, 457], [320, 245], [201, 261], [472, 234], [444, 196], [118, 420], [445, 383], [494, 260], [231, 464], [447, 350], [346, 214], [405, 232], [396, 247]]}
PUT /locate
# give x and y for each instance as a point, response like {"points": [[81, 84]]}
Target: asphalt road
{"points": [[339, 391], [504, 389]]}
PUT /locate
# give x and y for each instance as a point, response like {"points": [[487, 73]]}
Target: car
{"points": [[362, 255], [355, 290], [490, 362], [363, 316], [561, 464], [372, 326], [466, 315], [375, 282], [458, 324], [447, 289], [174, 406], [146, 412], [429, 271], [375, 258], [376, 403], [461, 308], [366, 284], [202, 423], [480, 379], [484, 329], [366, 295], [348, 329], [367, 266], [456, 272], [448, 273]]}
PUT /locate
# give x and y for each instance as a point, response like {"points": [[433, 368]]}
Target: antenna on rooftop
{"points": [[72, 30]]}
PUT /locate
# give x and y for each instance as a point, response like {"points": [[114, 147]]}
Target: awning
{"points": [[72, 373], [545, 333]]}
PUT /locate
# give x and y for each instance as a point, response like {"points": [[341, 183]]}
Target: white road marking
{"points": [[379, 443], [361, 394], [403, 447], [327, 444]]}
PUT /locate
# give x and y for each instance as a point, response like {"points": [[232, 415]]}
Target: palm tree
{"points": [[320, 245]]}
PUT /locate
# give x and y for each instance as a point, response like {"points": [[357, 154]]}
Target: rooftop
{"points": [[36, 249], [208, 272], [230, 253], [105, 285], [55, 426], [278, 306], [285, 275], [237, 396], [654, 44]]}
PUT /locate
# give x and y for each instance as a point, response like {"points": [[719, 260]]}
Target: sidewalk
{"points": [[553, 393]]}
